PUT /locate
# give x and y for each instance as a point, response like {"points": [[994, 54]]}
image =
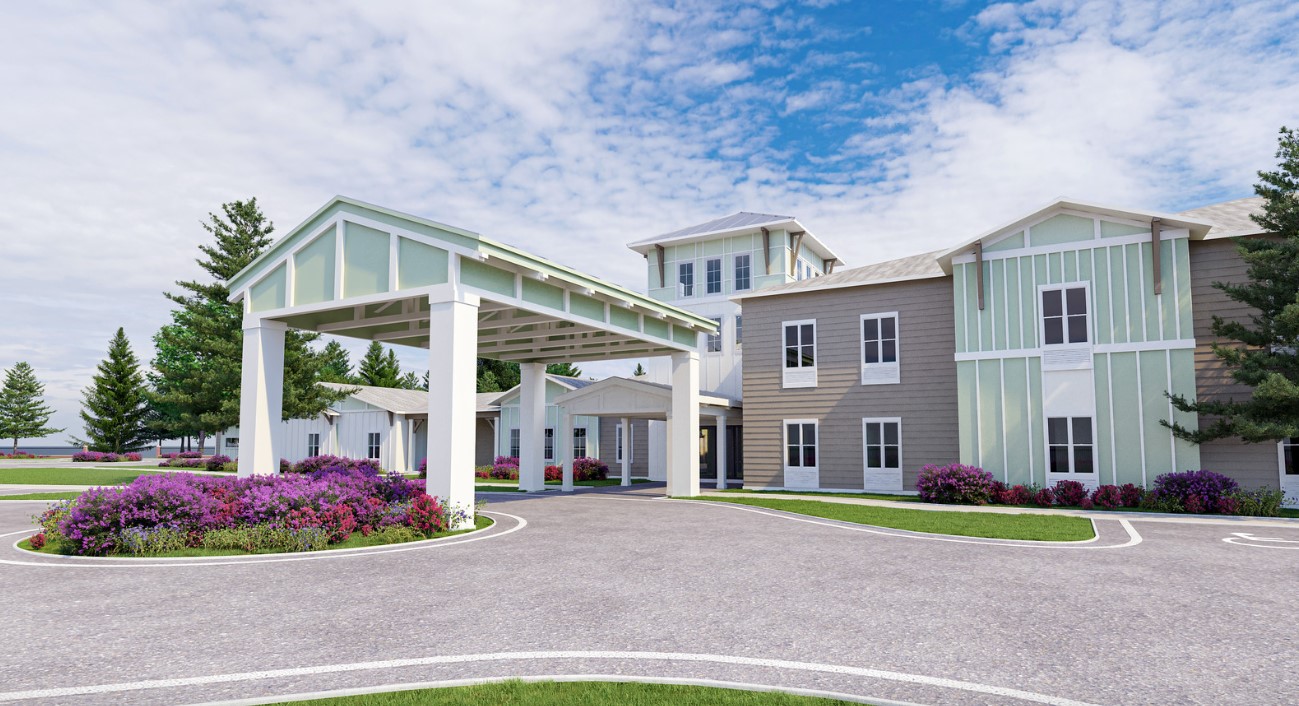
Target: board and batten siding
{"points": [[925, 399], [1252, 465]]}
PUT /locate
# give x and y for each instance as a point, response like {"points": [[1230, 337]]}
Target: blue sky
{"points": [[571, 128]]}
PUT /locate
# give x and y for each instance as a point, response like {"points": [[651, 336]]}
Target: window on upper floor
{"points": [[713, 344], [686, 278], [799, 344], [879, 349], [713, 276], [1064, 315], [743, 271]]}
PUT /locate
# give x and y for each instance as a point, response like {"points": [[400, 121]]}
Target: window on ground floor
{"points": [[579, 442], [800, 443], [1069, 445], [514, 443], [313, 444], [232, 442], [372, 445], [713, 343], [883, 443], [1290, 456], [550, 445]]}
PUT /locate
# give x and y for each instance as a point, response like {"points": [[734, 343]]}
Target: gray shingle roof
{"points": [[912, 267], [743, 219], [1230, 218], [398, 401]]}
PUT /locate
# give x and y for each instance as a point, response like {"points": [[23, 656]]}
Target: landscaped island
{"points": [[333, 503]]}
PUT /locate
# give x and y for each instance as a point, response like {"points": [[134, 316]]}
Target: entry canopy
{"points": [[359, 270]]}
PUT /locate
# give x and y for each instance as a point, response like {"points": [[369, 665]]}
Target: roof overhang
{"points": [[791, 225], [623, 397]]}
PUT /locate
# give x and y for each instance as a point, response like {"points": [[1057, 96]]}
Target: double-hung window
{"points": [[801, 470], [617, 443], [313, 444], [713, 276], [232, 442], [800, 353], [579, 442], [739, 330], [686, 278], [713, 344], [372, 444], [514, 443], [550, 445], [1070, 448], [743, 279], [1065, 339], [883, 444], [879, 349]]}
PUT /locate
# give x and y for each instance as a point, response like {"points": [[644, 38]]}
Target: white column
{"points": [[453, 345], [683, 431], [564, 439], [721, 451], [626, 451], [532, 427], [261, 397]]}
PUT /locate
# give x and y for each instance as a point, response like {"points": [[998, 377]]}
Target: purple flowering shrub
{"points": [[423, 468], [297, 512], [1189, 491], [101, 457], [319, 466], [955, 483]]}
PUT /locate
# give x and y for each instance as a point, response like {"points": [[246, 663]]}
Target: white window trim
{"points": [[681, 286], [738, 323], [316, 444], [721, 276], [735, 279], [721, 337], [617, 443], [1065, 356], [509, 443], [881, 373], [880, 420], [1071, 474], [812, 474], [548, 455], [801, 376], [376, 444], [586, 443]]}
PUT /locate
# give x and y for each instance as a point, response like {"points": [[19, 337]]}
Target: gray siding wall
{"points": [[639, 447], [484, 443], [1252, 465], [925, 399]]}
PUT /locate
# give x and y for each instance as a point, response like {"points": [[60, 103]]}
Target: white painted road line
{"points": [[1245, 539], [863, 672]]}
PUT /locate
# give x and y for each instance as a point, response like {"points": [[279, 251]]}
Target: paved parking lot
{"points": [[625, 583]]}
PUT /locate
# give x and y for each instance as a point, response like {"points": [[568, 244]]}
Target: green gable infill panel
{"points": [[316, 318], [967, 411], [713, 248], [987, 340], [535, 292], [1013, 314], [996, 303], [1118, 285], [958, 287], [420, 265], [313, 270], [1070, 266], [1101, 293], [1028, 302], [685, 336], [1183, 290], [624, 318], [657, 328], [1010, 242], [973, 339], [486, 277], [269, 292], [1109, 229], [1060, 229], [1168, 264], [365, 260], [1136, 304], [585, 306]]}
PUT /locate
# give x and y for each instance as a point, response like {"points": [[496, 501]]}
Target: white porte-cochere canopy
{"points": [[359, 270]]}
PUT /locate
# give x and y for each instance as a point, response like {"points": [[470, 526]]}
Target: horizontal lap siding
{"points": [[925, 399], [1212, 261], [639, 446]]}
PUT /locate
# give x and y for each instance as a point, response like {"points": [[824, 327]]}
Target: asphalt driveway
{"points": [[623, 583]]}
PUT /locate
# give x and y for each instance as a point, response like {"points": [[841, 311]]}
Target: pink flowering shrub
{"points": [[1087, 504], [37, 541], [1069, 492], [17, 454], [1131, 494], [1044, 497], [103, 457], [317, 466], [1107, 497], [955, 483]]}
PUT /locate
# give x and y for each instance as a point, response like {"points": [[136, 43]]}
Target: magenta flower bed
{"points": [[955, 483], [316, 466], [299, 511], [17, 454], [98, 457]]}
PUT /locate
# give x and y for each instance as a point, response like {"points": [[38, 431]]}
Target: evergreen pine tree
{"points": [[567, 370], [336, 364], [379, 368], [115, 406], [1261, 352], [23, 412], [639, 371]]}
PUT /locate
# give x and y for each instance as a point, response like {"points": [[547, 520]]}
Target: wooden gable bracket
{"points": [[1154, 259], [978, 270], [829, 265], [798, 246], [662, 276], [766, 251]]}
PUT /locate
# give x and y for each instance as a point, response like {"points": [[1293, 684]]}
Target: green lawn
{"points": [[353, 542], [42, 496], [497, 489], [1050, 528], [516, 693], [72, 476]]}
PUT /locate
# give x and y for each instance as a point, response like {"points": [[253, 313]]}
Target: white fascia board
{"points": [[762, 293], [810, 239]]}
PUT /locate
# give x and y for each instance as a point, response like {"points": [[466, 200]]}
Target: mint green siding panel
{"points": [[313, 270], [624, 318], [1126, 427], [985, 317], [269, 292], [992, 440], [1010, 242], [1102, 295], [585, 306], [973, 342], [1063, 228], [1014, 311], [1028, 303], [486, 277], [365, 260], [1070, 266], [1149, 301], [1182, 361], [1136, 303], [657, 328], [1015, 411], [958, 301], [1116, 230], [1104, 448], [420, 265], [1037, 448], [1154, 381], [1168, 300], [685, 336], [712, 247], [1183, 287], [1055, 268], [967, 401], [1120, 330], [997, 314]]}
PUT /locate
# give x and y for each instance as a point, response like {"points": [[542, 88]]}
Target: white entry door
{"points": [[882, 454], [1288, 460]]}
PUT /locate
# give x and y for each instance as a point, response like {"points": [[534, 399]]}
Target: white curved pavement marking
{"points": [[864, 672], [1133, 537], [617, 678], [186, 562], [1246, 539]]}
